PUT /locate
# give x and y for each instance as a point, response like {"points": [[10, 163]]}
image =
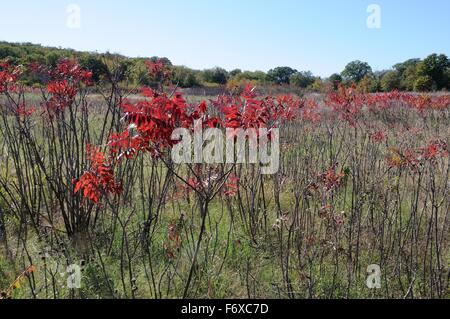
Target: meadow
{"points": [[87, 185]]}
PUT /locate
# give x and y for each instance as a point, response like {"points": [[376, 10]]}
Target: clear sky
{"points": [[317, 35]]}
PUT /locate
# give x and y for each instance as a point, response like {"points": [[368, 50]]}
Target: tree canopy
{"points": [[281, 75], [429, 74], [356, 71]]}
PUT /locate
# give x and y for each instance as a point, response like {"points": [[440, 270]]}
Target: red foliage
{"points": [[64, 83], [346, 103], [331, 180], [378, 136], [8, 77], [23, 112], [158, 70], [173, 242], [99, 179], [151, 121], [435, 150], [154, 119], [71, 71], [231, 186], [383, 101], [252, 112], [310, 111], [63, 94], [414, 159]]}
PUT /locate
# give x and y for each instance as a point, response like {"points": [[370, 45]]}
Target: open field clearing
{"points": [[93, 204]]}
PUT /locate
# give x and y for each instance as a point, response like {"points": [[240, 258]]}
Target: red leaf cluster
{"points": [[158, 70], [99, 180], [346, 103], [64, 82], [8, 77], [414, 159], [231, 186], [378, 136], [331, 179]]}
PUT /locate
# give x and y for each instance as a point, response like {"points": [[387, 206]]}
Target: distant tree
{"points": [[433, 73], [33, 57], [447, 79], [235, 72], [335, 79], [237, 83], [138, 71], [52, 58], [8, 52], [423, 83], [356, 71], [165, 61], [434, 67], [390, 81], [216, 75], [254, 76], [185, 77], [280, 75], [118, 67], [401, 68], [302, 79], [369, 84], [95, 65], [408, 78], [317, 85]]}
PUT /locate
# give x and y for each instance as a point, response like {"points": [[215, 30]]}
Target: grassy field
{"points": [[363, 180]]}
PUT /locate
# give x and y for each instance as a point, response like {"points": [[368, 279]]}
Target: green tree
{"points": [[52, 58], [165, 61], [390, 81], [302, 79], [447, 79], [317, 85], [184, 77], [11, 53], [95, 65], [280, 75], [235, 72], [335, 79], [216, 75], [407, 72], [256, 76], [356, 71], [118, 67], [139, 72], [408, 79], [423, 83], [402, 67], [368, 84], [434, 67]]}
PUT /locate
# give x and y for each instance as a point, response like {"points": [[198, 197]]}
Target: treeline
{"points": [[429, 74]]}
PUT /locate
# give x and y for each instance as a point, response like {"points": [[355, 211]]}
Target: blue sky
{"points": [[317, 35]]}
